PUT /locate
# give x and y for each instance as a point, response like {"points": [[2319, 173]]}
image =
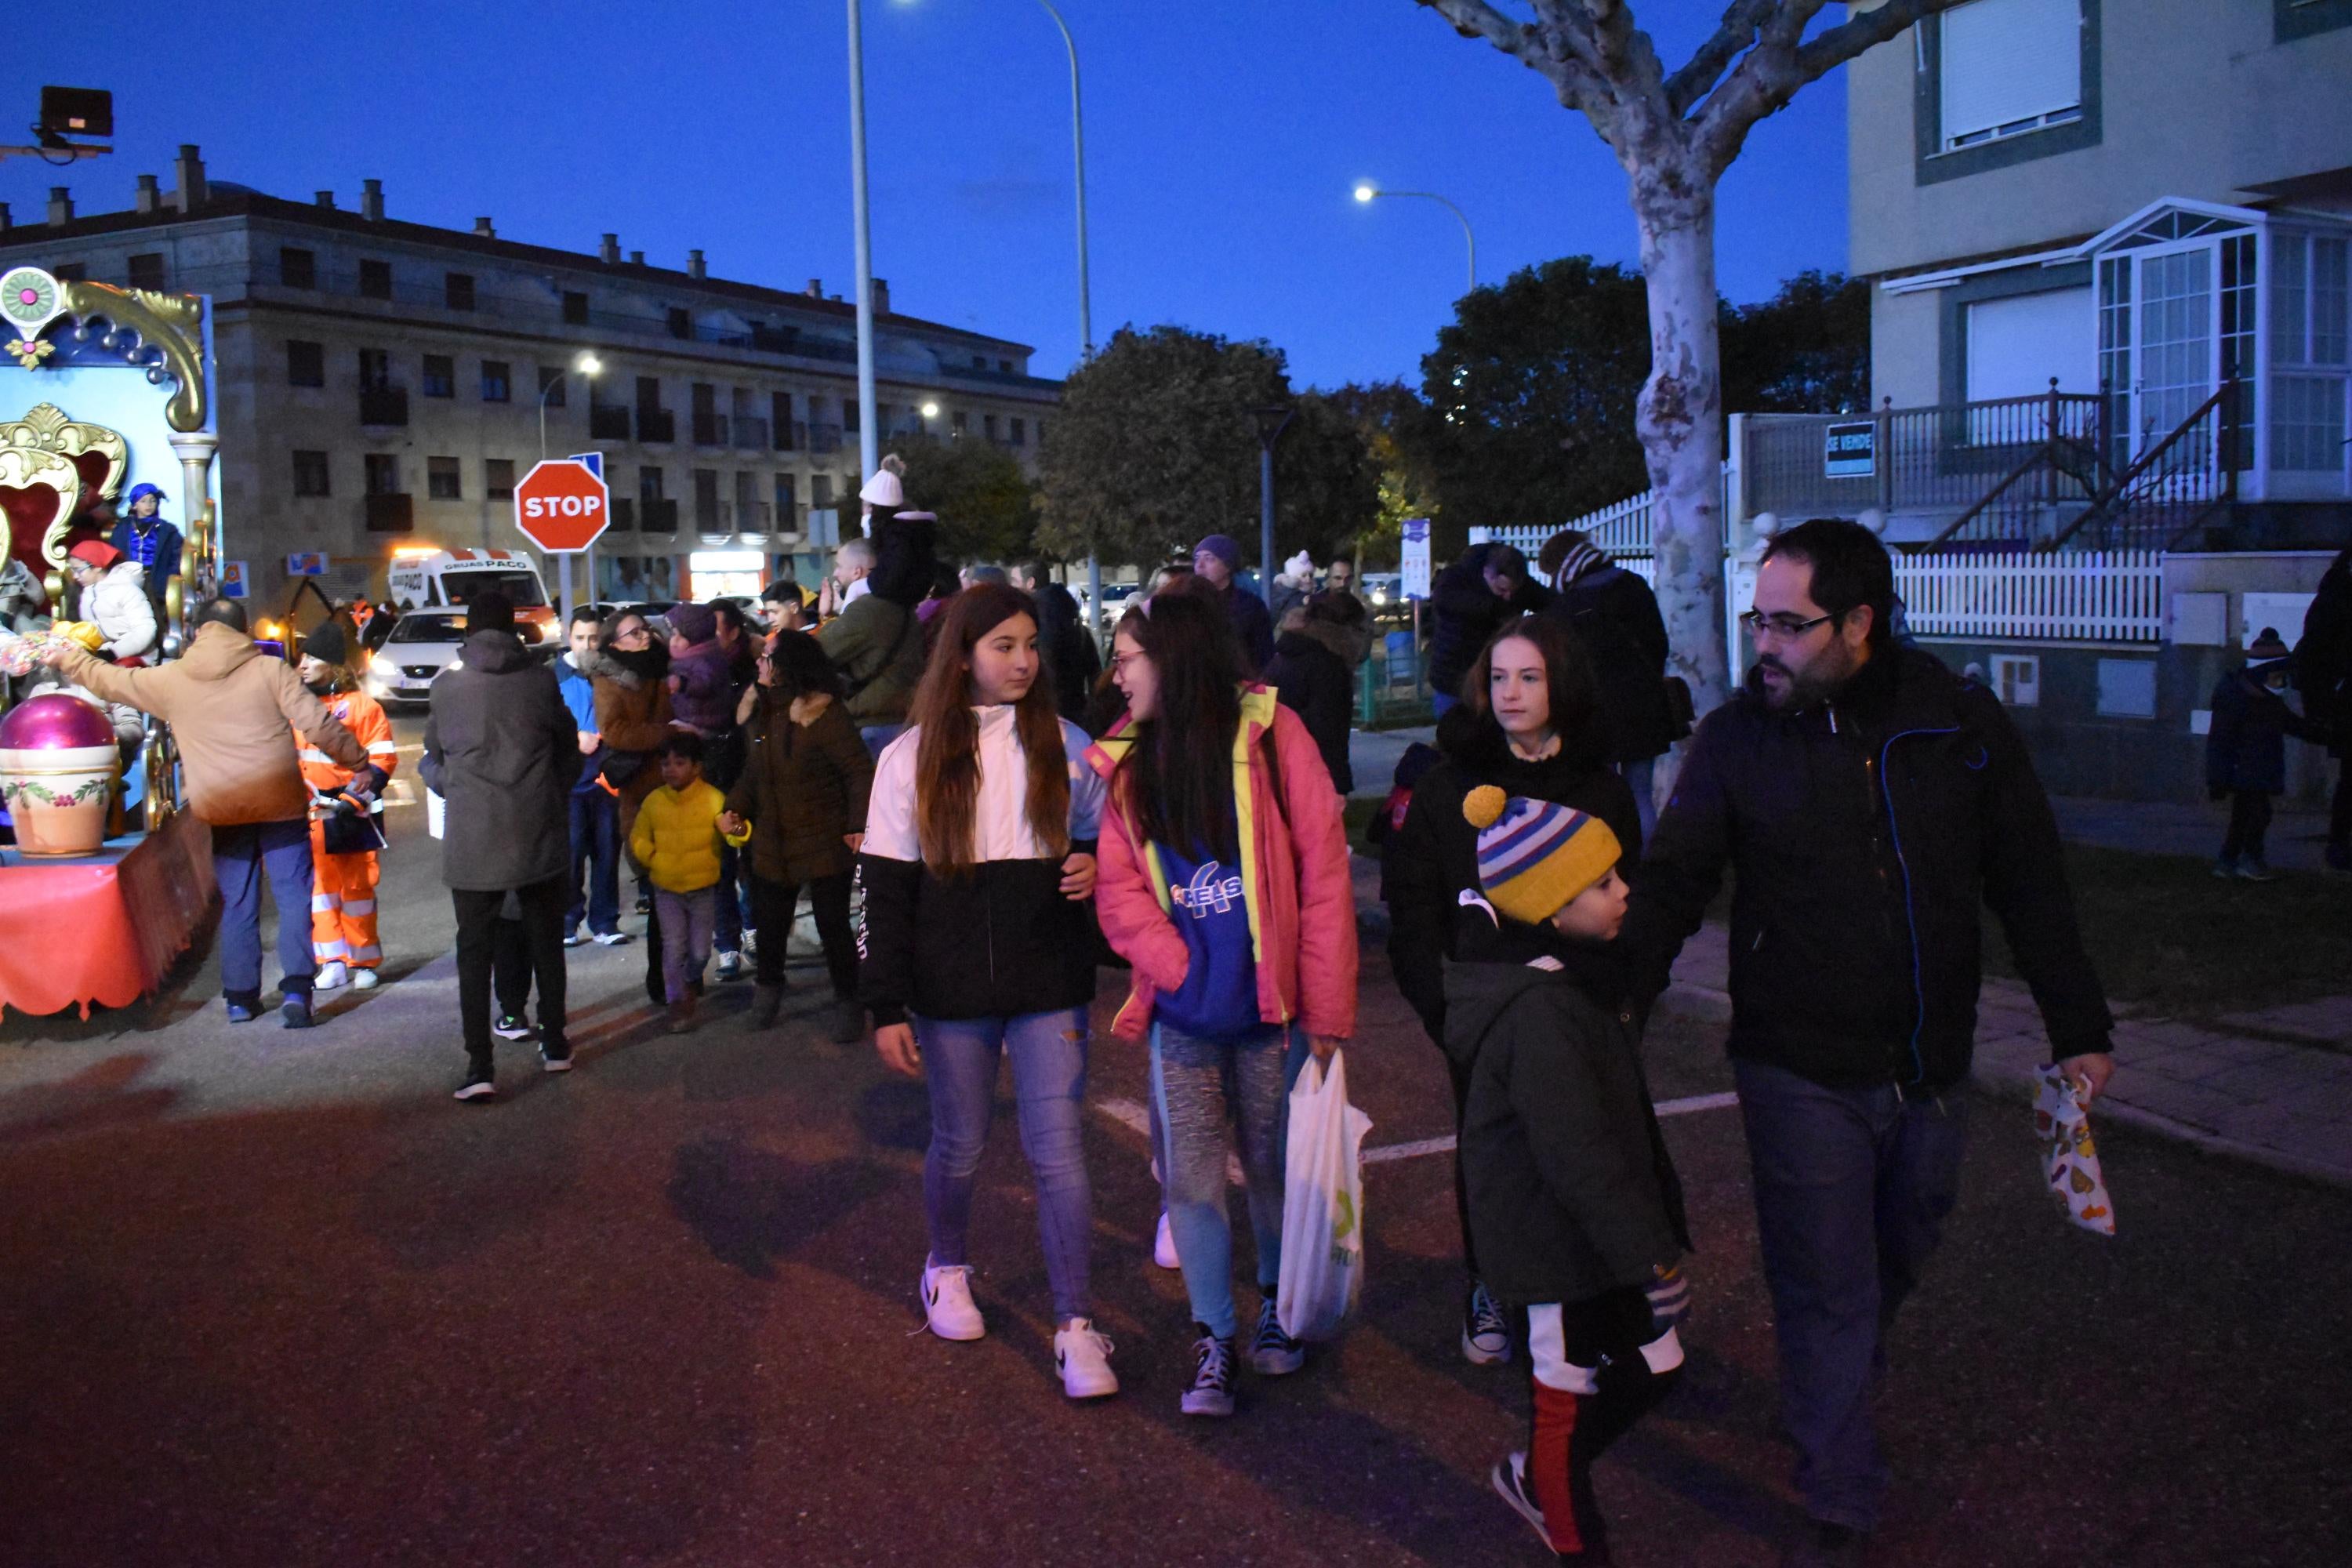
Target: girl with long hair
{"points": [[1225, 884], [1530, 723], [977, 861]]}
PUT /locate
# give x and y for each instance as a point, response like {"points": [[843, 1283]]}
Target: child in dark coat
{"points": [[2245, 752], [1575, 1209]]}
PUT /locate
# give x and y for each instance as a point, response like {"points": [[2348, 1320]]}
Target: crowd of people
{"points": [[950, 750]]}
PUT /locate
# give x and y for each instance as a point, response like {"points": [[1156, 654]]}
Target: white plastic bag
{"points": [[1322, 1204]]}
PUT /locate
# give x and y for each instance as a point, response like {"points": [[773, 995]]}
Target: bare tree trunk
{"points": [[1680, 421]]}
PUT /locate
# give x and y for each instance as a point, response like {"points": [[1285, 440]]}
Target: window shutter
{"points": [[2005, 61]]}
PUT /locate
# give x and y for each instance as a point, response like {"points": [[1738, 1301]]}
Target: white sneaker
{"points": [[948, 1304], [1083, 1356], [333, 977], [1163, 1244], [365, 980]]}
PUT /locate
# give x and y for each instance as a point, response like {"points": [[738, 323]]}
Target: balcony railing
{"points": [[384, 405], [390, 513], [657, 424], [825, 438], [624, 515], [656, 516], [751, 433], [710, 431], [606, 423]]}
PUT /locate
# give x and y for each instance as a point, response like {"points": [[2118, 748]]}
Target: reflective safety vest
{"points": [[365, 717]]}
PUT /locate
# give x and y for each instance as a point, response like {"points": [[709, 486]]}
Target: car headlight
{"points": [[455, 663]]}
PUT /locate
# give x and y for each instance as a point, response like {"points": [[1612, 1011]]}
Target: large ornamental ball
{"points": [[54, 721]]}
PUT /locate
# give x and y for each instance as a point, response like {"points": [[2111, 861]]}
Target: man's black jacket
{"points": [[1865, 833]]}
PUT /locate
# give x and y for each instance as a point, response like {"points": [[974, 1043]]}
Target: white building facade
{"points": [[380, 385]]}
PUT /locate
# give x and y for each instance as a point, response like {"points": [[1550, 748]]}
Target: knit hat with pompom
{"points": [[1535, 856]]}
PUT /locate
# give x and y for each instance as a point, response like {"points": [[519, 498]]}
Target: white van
{"points": [[427, 577]]}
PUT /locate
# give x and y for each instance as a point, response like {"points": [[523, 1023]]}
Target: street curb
{"points": [[2022, 1087]]}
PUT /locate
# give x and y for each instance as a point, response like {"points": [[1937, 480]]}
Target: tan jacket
{"points": [[234, 712]]}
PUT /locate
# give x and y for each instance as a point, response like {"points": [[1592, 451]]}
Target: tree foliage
{"points": [[1804, 350], [986, 505], [1156, 445]]}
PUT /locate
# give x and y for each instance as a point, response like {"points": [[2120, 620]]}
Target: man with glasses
{"points": [[1869, 803]]}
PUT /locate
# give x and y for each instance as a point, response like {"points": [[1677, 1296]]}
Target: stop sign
{"points": [[561, 507]]}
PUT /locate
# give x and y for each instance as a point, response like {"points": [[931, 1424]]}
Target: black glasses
{"points": [[1783, 628]]}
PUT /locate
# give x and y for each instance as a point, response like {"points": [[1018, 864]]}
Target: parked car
{"points": [[1115, 598], [1381, 590], [423, 644]]}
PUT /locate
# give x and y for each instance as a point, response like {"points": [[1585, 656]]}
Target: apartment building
{"points": [[2147, 201], [380, 383]]}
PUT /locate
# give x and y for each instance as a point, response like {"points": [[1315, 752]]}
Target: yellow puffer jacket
{"points": [[677, 836]]}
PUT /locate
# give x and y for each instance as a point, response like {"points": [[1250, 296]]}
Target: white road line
{"points": [[1128, 1113]]}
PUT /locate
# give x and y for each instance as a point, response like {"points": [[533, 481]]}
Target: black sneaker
{"points": [[1485, 1333], [558, 1060], [1826, 1545], [477, 1086], [1274, 1353], [1510, 1480], [510, 1027], [574, 937], [1212, 1390]]}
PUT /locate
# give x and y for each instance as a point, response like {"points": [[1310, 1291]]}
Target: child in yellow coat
{"points": [[677, 840]]}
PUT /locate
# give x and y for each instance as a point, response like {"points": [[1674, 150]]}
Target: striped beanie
{"points": [[1534, 856]]}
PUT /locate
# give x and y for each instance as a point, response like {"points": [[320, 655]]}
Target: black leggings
{"points": [[772, 908], [2249, 819]]}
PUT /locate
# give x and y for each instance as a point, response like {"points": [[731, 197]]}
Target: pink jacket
{"points": [[1297, 883]]}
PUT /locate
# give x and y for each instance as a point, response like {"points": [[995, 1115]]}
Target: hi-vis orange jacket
{"points": [[365, 717]]}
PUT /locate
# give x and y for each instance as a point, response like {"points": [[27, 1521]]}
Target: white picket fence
{"points": [[2063, 595], [1622, 529]]}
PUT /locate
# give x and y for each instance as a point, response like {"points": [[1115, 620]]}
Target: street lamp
{"points": [[868, 437], [1366, 191], [929, 411], [1086, 310], [1271, 424], [589, 366]]}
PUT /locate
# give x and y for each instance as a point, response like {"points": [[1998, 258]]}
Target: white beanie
{"points": [[884, 490], [1300, 568]]}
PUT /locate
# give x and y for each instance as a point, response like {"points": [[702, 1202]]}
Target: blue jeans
{"points": [[729, 893], [242, 857], [1852, 1189], [685, 920], [1049, 1086], [1200, 1086], [595, 862], [1641, 777]]}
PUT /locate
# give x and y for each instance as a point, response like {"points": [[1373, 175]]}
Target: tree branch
{"points": [[1541, 48], [1741, 22], [1769, 74]]}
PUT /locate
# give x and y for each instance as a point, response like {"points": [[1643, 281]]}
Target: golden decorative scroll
{"points": [[30, 467], [47, 428], [171, 322]]}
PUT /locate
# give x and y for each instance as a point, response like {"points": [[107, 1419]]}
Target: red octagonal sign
{"points": [[561, 507]]}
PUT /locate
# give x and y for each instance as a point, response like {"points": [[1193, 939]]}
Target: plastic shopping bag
{"points": [[2070, 1162], [1322, 1204]]}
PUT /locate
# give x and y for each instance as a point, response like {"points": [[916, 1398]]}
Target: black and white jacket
{"points": [[993, 942]]}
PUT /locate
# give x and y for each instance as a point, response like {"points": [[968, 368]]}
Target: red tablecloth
{"points": [[102, 928]]}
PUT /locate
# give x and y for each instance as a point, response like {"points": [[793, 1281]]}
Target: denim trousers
{"points": [[595, 862], [1853, 1186], [1200, 1087], [1049, 1089], [686, 920], [243, 857]]}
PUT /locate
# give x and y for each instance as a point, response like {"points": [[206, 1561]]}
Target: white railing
{"points": [[1623, 528], [2091, 595]]}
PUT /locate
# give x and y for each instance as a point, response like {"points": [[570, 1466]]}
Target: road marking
{"points": [[1128, 1113]]}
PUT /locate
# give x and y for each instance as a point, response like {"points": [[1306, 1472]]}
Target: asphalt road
{"points": [[274, 1299]]}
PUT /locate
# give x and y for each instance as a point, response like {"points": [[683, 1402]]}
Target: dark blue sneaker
{"points": [[296, 1012], [1274, 1353], [242, 1012]]}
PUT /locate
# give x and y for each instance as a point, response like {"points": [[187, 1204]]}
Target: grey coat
{"points": [[502, 750]]}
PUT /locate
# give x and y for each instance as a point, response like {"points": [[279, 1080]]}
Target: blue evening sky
{"points": [[1224, 139]]}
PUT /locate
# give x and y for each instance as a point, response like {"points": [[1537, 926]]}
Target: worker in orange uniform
{"points": [[346, 823]]}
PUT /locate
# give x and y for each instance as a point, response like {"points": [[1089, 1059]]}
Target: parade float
{"points": [[104, 881]]}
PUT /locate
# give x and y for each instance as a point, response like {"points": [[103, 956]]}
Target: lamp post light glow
{"points": [[590, 367], [1366, 191]]}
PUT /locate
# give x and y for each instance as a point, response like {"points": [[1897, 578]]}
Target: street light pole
{"points": [[867, 437], [1271, 424], [587, 365], [1086, 302], [1365, 193]]}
